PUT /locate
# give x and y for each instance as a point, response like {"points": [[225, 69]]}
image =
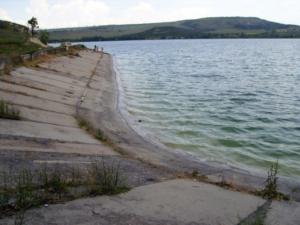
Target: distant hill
{"points": [[214, 27], [15, 39]]}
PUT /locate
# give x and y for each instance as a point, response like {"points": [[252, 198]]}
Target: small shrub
{"points": [[44, 177], [44, 37], [100, 135], [84, 125], [57, 184], [195, 173], [53, 183], [107, 179], [8, 112], [25, 195], [271, 188]]}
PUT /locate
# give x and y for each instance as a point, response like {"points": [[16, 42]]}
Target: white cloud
{"points": [[69, 13], [141, 12], [190, 13], [4, 15], [142, 7]]}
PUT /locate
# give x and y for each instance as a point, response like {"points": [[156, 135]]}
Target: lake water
{"points": [[229, 101]]}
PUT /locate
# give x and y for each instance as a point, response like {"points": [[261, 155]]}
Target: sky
{"points": [[74, 13]]}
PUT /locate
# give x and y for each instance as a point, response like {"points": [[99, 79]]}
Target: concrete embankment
{"points": [[52, 96]]}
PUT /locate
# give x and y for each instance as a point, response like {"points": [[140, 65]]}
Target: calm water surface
{"points": [[230, 101]]}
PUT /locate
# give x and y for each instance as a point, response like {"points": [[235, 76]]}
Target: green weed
{"points": [[8, 112]]}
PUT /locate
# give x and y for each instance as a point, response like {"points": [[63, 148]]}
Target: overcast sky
{"points": [[72, 13]]}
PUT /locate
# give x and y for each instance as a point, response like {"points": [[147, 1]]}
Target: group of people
{"points": [[96, 48]]}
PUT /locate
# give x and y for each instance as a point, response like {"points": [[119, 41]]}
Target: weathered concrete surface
{"points": [[283, 213], [48, 117], [136, 172], [176, 202], [37, 103], [40, 86], [47, 101], [45, 131], [49, 146], [75, 66], [11, 88]]}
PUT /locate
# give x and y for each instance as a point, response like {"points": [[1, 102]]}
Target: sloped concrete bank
{"points": [[54, 95], [48, 132]]}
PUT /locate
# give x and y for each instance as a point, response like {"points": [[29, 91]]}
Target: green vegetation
{"points": [[218, 27], [28, 189], [8, 112], [98, 134], [44, 37], [33, 23], [107, 179], [270, 190], [15, 39]]}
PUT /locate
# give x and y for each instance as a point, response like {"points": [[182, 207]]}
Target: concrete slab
{"points": [[176, 202], [44, 131], [55, 147], [12, 88], [283, 213], [42, 116], [48, 81], [51, 75], [37, 103], [77, 66], [40, 86]]}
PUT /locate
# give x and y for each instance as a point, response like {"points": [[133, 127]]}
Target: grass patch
{"points": [[25, 195], [8, 112], [107, 179], [98, 134], [28, 189]]}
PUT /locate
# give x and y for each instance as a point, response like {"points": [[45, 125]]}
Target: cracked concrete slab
{"points": [[45, 131], [283, 213], [21, 81], [48, 81], [26, 91], [175, 202], [37, 103], [52, 76], [43, 116], [50, 146]]}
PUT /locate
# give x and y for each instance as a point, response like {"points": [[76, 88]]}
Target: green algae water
{"points": [[230, 101]]}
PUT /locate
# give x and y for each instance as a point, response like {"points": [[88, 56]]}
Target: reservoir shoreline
{"points": [[128, 141], [87, 130]]}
